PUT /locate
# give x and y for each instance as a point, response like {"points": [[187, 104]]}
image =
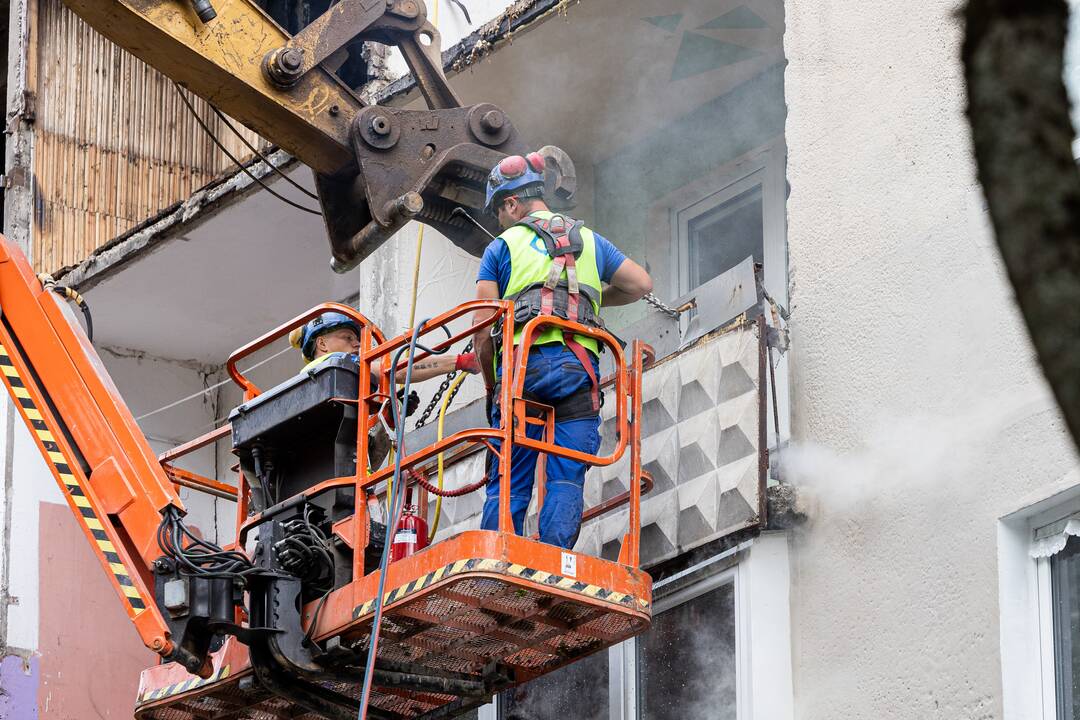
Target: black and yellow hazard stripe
{"points": [[191, 683], [503, 567], [62, 468]]}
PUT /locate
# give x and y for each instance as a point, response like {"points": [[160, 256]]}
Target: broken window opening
{"points": [[722, 234], [737, 212], [687, 659], [578, 691]]}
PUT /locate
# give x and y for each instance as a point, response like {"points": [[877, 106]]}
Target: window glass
{"points": [[1065, 581], [722, 237], [576, 692], [687, 660]]}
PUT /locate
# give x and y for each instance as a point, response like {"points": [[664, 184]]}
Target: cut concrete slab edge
{"points": [[154, 232]]}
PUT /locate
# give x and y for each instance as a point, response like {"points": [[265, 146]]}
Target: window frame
{"points": [[762, 166], [759, 569], [1047, 671], [1025, 599]]}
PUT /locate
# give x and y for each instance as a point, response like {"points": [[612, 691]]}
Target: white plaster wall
{"points": [[447, 278], [919, 413], [31, 484], [148, 384]]}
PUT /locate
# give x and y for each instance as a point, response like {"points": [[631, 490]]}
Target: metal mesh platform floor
{"points": [[469, 618]]}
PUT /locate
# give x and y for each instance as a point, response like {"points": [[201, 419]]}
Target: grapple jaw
{"points": [[421, 165]]}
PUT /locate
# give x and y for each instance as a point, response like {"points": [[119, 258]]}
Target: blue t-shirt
{"points": [[495, 265]]}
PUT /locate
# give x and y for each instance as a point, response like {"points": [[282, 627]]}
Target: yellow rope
{"points": [[416, 274], [415, 289], [442, 417]]}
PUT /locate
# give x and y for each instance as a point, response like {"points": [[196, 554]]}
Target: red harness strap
{"points": [[566, 262], [586, 362]]}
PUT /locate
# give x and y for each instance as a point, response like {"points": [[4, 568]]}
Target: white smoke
{"points": [[904, 452]]}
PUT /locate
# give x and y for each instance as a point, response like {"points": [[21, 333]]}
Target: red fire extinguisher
{"points": [[411, 534]]}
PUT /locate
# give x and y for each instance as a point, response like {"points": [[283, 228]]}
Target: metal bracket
{"points": [[420, 164], [413, 164], [402, 23], [777, 338]]}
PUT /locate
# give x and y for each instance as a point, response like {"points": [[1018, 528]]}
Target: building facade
{"points": [[905, 552]]}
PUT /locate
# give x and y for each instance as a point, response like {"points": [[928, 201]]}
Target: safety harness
{"points": [[562, 297]]}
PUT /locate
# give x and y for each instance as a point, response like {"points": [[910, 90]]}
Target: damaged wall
{"points": [[113, 143]]}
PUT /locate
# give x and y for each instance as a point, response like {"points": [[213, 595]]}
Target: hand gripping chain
{"points": [[443, 387]]}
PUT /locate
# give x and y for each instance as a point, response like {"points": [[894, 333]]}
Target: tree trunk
{"points": [[1019, 112]]}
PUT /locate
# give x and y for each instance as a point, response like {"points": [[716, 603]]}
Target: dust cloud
{"points": [[904, 452]]}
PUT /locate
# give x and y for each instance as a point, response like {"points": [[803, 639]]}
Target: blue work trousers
{"points": [[553, 373]]}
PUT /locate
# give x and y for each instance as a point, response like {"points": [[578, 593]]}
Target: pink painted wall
{"points": [[90, 654]]}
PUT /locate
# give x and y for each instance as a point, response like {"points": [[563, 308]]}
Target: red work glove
{"points": [[467, 362], [409, 406]]}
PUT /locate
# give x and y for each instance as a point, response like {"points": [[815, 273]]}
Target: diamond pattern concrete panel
{"points": [[699, 441]]}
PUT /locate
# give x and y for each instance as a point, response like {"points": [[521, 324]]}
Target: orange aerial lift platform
{"points": [[303, 615]]}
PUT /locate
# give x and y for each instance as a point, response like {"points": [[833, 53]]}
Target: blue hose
{"points": [[399, 504]]}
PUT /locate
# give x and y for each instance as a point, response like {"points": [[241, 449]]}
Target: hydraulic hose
{"points": [[458, 492], [73, 295]]}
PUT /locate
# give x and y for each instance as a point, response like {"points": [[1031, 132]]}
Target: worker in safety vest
{"points": [[549, 264], [335, 334]]}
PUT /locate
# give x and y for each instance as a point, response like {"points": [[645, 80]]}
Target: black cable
{"points": [[275, 168], [200, 557], [327, 550], [464, 10], [222, 148], [71, 294], [89, 320]]}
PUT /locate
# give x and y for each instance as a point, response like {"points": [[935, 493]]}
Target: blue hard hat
{"points": [[323, 324], [513, 174]]}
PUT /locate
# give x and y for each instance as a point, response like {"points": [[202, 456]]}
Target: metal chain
{"points": [[659, 305], [437, 397]]}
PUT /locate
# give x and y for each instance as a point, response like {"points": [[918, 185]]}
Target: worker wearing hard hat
{"points": [[549, 264], [335, 334]]}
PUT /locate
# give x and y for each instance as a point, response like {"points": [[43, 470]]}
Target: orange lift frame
{"points": [[118, 490]]}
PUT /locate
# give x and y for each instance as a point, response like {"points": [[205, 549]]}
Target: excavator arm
{"points": [[376, 167]]}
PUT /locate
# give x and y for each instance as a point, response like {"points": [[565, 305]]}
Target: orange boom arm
{"points": [[109, 475]]}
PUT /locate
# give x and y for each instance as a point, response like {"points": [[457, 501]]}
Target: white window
{"points": [[1056, 548], [689, 657], [734, 213], [1064, 596], [695, 660], [1039, 595]]}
